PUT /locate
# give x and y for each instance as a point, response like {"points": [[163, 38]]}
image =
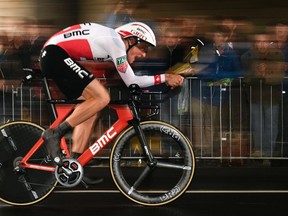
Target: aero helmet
{"points": [[138, 30]]}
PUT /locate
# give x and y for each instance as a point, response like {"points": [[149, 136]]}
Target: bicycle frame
{"points": [[61, 109], [127, 126], [124, 114]]}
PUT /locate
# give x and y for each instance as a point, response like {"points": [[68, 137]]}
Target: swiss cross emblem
{"points": [[122, 64]]}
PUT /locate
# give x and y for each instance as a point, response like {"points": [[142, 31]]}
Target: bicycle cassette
{"points": [[70, 174]]}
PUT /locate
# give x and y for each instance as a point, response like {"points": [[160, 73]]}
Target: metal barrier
{"points": [[233, 128]]}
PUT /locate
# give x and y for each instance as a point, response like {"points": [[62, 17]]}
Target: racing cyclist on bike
{"points": [[59, 60]]}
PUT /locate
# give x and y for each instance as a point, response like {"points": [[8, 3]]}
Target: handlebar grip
{"points": [[30, 74], [27, 78]]}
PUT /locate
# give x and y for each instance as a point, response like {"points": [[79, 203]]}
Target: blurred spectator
{"points": [[3, 46], [179, 47], [230, 24], [279, 32], [280, 39], [18, 57], [25, 39], [240, 30], [264, 71], [171, 51], [172, 54], [36, 43], [192, 41], [18, 48], [191, 36], [217, 64], [3, 52], [38, 33], [5, 88], [161, 25], [11, 64], [123, 13], [22, 51]]}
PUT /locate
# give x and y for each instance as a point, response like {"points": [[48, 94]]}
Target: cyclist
{"points": [[59, 60]]}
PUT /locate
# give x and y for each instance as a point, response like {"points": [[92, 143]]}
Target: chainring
{"points": [[70, 174]]}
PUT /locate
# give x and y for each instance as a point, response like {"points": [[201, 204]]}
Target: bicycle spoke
{"points": [[173, 166], [141, 178], [28, 186], [161, 181], [9, 138]]}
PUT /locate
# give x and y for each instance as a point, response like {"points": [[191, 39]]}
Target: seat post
{"points": [[49, 97]]}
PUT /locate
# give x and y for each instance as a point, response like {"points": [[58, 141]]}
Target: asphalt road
{"points": [[222, 191], [113, 203]]}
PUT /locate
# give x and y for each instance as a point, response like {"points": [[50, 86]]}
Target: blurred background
{"points": [[67, 12], [25, 25]]}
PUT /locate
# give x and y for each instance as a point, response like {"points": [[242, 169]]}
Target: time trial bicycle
{"points": [[28, 175]]}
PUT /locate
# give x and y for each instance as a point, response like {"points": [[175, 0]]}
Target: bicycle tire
{"points": [[30, 186], [170, 147]]}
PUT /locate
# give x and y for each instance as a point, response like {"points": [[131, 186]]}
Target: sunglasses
{"points": [[144, 47]]}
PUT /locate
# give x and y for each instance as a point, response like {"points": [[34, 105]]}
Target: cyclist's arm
{"points": [[129, 77], [117, 51]]}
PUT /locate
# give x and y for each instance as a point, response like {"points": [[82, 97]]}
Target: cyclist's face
{"points": [[138, 51]]}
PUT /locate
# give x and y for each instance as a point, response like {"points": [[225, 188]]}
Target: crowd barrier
{"points": [[229, 137]]}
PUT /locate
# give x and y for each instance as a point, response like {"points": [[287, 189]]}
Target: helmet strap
{"points": [[137, 41]]}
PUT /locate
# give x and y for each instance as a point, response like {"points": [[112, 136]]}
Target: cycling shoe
{"points": [[52, 141]]}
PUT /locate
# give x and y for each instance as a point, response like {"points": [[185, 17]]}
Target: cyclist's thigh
{"points": [[71, 77]]}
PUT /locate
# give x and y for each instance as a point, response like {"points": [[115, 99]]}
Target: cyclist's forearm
{"points": [[143, 81]]}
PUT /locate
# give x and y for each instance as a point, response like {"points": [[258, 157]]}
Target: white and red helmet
{"points": [[139, 30]]}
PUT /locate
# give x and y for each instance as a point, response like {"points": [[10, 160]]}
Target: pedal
{"points": [[70, 173]]}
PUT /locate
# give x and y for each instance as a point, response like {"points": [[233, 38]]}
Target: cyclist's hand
{"points": [[173, 80]]}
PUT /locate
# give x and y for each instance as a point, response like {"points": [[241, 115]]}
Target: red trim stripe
{"points": [[157, 79]]}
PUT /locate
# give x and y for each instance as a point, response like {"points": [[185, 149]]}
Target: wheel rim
{"points": [[156, 197]]}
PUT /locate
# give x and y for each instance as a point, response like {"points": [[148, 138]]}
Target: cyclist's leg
{"points": [[54, 60], [82, 133], [52, 139], [81, 136], [96, 98]]}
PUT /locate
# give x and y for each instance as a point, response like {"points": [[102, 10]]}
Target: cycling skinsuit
{"points": [[87, 42]]}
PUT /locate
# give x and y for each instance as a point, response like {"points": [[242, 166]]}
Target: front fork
{"points": [[143, 141]]}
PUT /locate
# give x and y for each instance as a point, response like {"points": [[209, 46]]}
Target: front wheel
{"points": [[161, 183], [27, 186]]}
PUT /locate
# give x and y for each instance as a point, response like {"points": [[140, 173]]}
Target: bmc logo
{"points": [[102, 141], [77, 33], [81, 73]]}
